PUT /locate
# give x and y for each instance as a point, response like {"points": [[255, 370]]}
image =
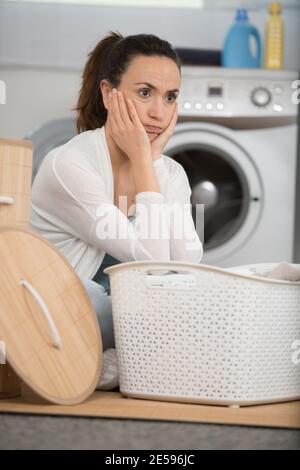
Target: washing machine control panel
{"points": [[238, 92]]}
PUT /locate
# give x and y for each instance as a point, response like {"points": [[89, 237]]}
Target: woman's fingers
{"points": [[174, 117], [169, 130], [158, 144], [116, 111], [110, 115], [124, 113], [120, 113], [133, 114]]}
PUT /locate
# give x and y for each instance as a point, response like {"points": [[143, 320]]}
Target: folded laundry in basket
{"points": [[285, 271], [281, 271]]}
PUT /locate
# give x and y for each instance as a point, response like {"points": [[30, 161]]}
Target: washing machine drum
{"points": [[50, 135], [226, 186], [219, 185]]}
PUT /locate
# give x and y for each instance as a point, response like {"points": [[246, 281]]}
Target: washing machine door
{"points": [[48, 136], [225, 180]]}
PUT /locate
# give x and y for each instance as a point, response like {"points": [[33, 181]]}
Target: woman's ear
{"points": [[105, 88]]}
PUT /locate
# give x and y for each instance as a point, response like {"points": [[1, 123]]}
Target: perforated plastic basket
{"points": [[196, 333]]}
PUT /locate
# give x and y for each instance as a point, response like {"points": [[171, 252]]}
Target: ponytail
{"points": [[90, 107]]}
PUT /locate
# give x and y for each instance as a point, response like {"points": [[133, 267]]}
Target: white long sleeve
{"points": [[78, 197], [72, 205]]}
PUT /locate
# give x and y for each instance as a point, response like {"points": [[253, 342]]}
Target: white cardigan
{"points": [[72, 206]]}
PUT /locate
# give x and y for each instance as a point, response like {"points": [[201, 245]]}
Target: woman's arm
{"points": [[74, 198], [175, 219], [144, 176]]}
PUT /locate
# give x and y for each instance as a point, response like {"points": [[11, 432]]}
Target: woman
{"points": [[97, 197]]}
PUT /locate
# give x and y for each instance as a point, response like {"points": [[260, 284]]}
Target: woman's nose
{"points": [[157, 109]]}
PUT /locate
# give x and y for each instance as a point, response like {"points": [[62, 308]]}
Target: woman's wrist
{"points": [[155, 157], [141, 160], [145, 176]]}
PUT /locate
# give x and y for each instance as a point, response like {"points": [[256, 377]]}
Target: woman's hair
{"points": [[109, 60]]}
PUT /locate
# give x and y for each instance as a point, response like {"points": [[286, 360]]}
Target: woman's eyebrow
{"points": [[153, 87]]}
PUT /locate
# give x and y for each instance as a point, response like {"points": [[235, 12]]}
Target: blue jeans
{"points": [[103, 309]]}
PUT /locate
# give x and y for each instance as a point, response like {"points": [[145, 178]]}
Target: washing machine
{"points": [[236, 138]]}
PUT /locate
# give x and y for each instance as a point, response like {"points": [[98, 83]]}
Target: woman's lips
{"points": [[153, 130]]}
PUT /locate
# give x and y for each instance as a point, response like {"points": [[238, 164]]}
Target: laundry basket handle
{"points": [[172, 266], [170, 275]]}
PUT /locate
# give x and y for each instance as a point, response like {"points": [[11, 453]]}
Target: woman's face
{"points": [[153, 85]]}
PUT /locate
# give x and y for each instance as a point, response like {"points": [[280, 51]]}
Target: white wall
{"points": [[61, 35], [34, 96], [43, 48]]}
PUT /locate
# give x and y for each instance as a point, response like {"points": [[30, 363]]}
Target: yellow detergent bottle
{"points": [[274, 40]]}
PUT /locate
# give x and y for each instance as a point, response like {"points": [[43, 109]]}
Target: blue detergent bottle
{"points": [[236, 51]]}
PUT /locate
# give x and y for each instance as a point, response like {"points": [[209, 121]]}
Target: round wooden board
{"points": [[67, 375]]}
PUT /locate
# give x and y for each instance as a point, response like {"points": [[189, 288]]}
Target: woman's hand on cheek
{"points": [[126, 128], [159, 143]]}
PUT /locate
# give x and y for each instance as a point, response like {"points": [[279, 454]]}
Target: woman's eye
{"points": [[174, 98], [145, 90]]}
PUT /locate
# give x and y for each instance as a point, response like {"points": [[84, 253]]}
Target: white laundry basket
{"points": [[196, 333]]}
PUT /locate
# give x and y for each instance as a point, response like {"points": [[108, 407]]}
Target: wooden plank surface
{"points": [[113, 405]]}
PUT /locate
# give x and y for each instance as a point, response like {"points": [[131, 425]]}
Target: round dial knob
{"points": [[261, 96]]}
